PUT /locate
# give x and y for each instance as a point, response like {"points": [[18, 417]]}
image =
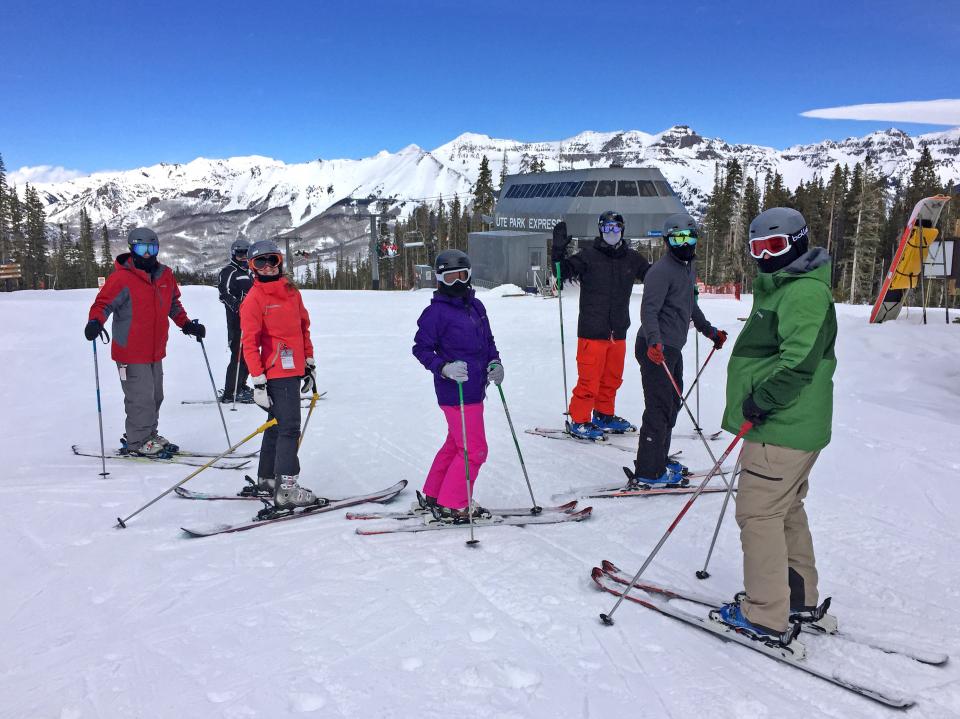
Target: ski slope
{"points": [[307, 618]]}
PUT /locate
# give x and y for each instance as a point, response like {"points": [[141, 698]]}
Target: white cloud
{"points": [[42, 173], [928, 112]]}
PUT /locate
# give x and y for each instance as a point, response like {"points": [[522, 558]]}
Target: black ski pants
{"points": [[278, 453], [237, 365], [661, 405]]}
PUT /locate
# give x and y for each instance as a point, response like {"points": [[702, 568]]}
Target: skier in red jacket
{"points": [[276, 347], [141, 294]]}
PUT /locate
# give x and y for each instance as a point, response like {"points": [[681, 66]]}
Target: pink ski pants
{"points": [[446, 480]]}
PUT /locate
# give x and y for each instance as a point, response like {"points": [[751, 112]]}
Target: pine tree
{"points": [[859, 259], [774, 192], [36, 240], [4, 215], [88, 263], [483, 195], [106, 255], [503, 170]]}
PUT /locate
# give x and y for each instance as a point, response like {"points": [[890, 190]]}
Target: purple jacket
{"points": [[451, 329]]}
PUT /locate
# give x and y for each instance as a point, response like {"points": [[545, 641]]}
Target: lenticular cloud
{"points": [[931, 112]]}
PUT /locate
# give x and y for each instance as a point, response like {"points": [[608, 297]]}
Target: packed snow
{"points": [[306, 617]]}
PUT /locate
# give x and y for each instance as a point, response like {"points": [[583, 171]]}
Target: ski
{"points": [[190, 494], [495, 521], [605, 491], [384, 495], [417, 512], [661, 604], [176, 459], [232, 455], [608, 440], [924, 656], [304, 400]]}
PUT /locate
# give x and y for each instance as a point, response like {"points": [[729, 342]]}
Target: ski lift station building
{"points": [[517, 249]]}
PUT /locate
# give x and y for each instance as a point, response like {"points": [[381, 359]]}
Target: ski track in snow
{"points": [[307, 618]]}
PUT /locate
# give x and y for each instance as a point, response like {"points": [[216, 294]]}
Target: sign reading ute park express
{"points": [[535, 224]]}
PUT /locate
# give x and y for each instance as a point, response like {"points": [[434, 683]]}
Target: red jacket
{"points": [[272, 318], [141, 305]]}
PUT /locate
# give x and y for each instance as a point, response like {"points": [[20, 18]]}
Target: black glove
{"points": [[309, 377], [753, 412], [92, 330], [561, 239], [195, 329]]}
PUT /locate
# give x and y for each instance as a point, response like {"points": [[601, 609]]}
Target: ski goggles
{"points": [[240, 254], [263, 261], [142, 249], [679, 238], [774, 245], [451, 276], [608, 227]]}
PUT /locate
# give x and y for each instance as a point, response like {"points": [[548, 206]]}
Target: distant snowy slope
{"points": [[201, 206]]}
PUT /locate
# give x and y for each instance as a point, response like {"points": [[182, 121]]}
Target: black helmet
{"points": [[610, 216], [679, 221], [451, 260], [141, 234], [262, 247], [239, 245]]}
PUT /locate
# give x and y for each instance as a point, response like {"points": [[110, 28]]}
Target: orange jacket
{"points": [[273, 318]]}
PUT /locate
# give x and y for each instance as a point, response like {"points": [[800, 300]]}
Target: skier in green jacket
{"points": [[780, 378]]}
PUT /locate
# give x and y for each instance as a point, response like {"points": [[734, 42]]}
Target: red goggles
{"points": [[769, 246]]}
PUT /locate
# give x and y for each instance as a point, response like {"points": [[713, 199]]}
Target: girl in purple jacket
{"points": [[455, 343]]}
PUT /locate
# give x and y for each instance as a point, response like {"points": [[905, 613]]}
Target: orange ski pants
{"points": [[600, 374]]}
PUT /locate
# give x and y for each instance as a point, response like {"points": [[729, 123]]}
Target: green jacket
{"points": [[785, 356]]}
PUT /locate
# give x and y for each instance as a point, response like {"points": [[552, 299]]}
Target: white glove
{"points": [[309, 377], [457, 371], [495, 372], [260, 395]]}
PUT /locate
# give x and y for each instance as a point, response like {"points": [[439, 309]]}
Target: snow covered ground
{"points": [[307, 617]]}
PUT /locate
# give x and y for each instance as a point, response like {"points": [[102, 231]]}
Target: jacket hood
{"points": [[814, 264], [125, 262], [808, 261]]}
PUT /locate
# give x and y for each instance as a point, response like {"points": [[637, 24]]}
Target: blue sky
{"points": [[95, 85]]}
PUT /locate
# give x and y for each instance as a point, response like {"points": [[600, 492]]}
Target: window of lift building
{"points": [[647, 188], [588, 189], [626, 188], [606, 188], [664, 188]]}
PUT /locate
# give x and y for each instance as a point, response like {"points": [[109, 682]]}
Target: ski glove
{"points": [[655, 353], [457, 371], [92, 330], [495, 372], [718, 337], [309, 377], [753, 412], [260, 395], [561, 239], [195, 329]]}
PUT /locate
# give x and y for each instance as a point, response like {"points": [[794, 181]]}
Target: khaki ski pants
{"points": [[779, 568]]}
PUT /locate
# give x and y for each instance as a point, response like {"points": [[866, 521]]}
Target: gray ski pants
{"points": [[142, 397]]}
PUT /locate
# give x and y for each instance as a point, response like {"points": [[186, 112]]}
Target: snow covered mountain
{"points": [[201, 206]]}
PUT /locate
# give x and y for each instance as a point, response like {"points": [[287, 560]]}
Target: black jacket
{"points": [[234, 284], [606, 275]]}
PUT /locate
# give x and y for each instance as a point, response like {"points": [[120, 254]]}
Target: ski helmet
{"points": [[451, 260], [239, 245], [144, 246], [610, 216], [142, 234], [779, 221], [262, 248], [679, 221]]}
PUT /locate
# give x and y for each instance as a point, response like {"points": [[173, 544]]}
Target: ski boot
{"points": [[612, 423], [263, 487], [585, 430], [150, 449], [290, 495], [667, 480], [450, 515], [816, 617], [226, 398], [678, 470], [424, 503], [171, 447], [732, 616], [245, 395]]}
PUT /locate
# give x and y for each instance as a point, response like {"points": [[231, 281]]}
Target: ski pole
{"points": [[236, 374], [313, 403], [96, 373], [744, 428], [214, 385], [122, 523], [703, 573], [466, 466], [696, 425], [563, 344], [535, 509], [697, 379]]}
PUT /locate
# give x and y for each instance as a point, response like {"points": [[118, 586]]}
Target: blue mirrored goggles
{"points": [[145, 248], [679, 238], [608, 227]]}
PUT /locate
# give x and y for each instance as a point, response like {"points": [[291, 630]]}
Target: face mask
{"points": [[457, 289], [611, 238], [684, 253], [147, 264]]}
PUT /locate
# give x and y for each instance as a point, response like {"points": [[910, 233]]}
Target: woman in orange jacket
{"points": [[277, 349]]}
